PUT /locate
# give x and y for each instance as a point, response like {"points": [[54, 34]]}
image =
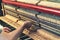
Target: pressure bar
{"points": [[33, 7]]}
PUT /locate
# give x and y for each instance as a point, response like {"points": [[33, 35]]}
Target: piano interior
{"points": [[44, 15]]}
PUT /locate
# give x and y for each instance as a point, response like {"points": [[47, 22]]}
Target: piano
{"points": [[45, 18]]}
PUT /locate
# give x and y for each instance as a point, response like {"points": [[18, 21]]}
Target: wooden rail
{"points": [[50, 4]]}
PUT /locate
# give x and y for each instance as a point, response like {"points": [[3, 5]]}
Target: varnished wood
{"points": [[50, 4]]}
